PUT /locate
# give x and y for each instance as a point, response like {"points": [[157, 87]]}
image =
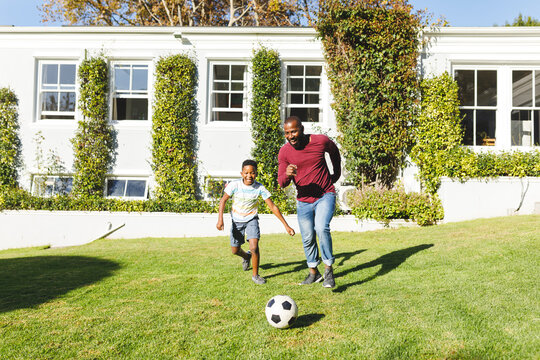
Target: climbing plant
{"points": [[266, 126], [173, 128], [94, 141], [10, 144], [371, 50]]}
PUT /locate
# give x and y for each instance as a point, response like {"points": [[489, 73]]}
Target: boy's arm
{"points": [[222, 203], [276, 212], [283, 179]]}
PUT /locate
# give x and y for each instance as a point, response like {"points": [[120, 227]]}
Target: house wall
{"points": [[223, 145]]}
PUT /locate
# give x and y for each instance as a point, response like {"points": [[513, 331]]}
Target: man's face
{"points": [[293, 133]]}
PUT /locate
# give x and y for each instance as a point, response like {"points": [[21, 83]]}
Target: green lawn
{"points": [[458, 291]]}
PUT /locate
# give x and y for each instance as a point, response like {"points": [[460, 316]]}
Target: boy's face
{"points": [[248, 174]]}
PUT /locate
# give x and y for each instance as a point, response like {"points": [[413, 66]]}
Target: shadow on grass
{"points": [[31, 281], [388, 263], [301, 264], [306, 320]]}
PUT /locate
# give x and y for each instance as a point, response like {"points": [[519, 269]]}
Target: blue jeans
{"points": [[314, 219]]}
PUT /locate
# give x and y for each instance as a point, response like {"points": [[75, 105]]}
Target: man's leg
{"points": [[324, 211], [305, 216], [306, 224]]}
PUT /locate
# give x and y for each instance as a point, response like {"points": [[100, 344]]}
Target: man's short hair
{"points": [[290, 119], [250, 162]]}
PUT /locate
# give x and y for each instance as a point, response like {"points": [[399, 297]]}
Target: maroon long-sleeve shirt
{"points": [[313, 179]]}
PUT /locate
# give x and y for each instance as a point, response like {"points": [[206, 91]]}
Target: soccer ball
{"points": [[281, 311]]}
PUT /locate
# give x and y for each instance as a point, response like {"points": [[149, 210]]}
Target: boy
{"points": [[245, 222]]}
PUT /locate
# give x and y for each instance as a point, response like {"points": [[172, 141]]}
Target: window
{"points": [[478, 100], [525, 113], [47, 185], [130, 92], [57, 96], [228, 92], [127, 187], [303, 92]]}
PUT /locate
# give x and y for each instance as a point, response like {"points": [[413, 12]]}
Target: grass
{"points": [[457, 291]]}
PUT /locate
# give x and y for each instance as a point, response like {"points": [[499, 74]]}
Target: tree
{"points": [[181, 12], [521, 21]]}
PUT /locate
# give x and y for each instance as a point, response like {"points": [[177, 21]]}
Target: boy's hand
{"points": [[219, 225], [290, 230]]}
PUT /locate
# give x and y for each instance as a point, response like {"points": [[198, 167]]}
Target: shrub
{"points": [[173, 128], [383, 205], [94, 141], [10, 144]]}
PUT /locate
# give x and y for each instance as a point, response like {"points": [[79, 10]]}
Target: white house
{"points": [[498, 69]]}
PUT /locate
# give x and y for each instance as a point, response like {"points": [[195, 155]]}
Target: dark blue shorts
{"points": [[242, 230]]}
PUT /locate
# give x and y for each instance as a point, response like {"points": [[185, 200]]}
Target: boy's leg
{"points": [[253, 234], [237, 239], [255, 255]]}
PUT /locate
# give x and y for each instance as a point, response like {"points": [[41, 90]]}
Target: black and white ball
{"points": [[281, 311]]}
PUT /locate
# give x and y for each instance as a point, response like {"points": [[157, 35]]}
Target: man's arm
{"points": [[222, 203], [335, 157]]}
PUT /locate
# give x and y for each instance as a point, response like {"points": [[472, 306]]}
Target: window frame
{"points": [[35, 186], [475, 107], [127, 178], [40, 90], [535, 70], [130, 94], [285, 93], [246, 98]]}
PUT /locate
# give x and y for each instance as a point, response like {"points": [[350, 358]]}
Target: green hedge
{"points": [[266, 125], [371, 52], [94, 142], [18, 199], [384, 205], [173, 128], [10, 144]]}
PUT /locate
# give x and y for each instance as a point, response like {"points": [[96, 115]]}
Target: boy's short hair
{"points": [[250, 162]]}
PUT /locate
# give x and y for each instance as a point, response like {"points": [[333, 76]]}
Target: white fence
{"points": [[502, 196], [68, 228]]}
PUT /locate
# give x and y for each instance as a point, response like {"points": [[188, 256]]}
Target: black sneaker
{"points": [[312, 278], [258, 279], [245, 263], [329, 278]]}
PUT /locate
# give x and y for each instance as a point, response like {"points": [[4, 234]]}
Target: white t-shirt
{"points": [[245, 199]]}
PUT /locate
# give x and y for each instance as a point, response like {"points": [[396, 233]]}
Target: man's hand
{"points": [[291, 170], [219, 224]]}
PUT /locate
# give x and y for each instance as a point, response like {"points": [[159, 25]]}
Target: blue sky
{"points": [[457, 12]]}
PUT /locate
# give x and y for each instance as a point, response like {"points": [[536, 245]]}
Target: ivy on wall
{"points": [[437, 131], [94, 142], [10, 144], [371, 51], [173, 128], [438, 136], [266, 126]]}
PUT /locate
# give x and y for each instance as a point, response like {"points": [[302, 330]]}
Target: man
{"points": [[302, 160]]}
